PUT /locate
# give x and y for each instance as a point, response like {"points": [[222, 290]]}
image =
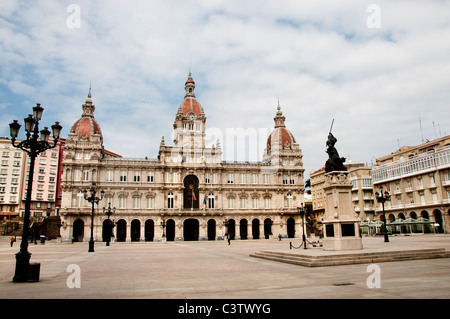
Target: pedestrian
{"points": [[279, 237], [12, 241], [229, 239]]}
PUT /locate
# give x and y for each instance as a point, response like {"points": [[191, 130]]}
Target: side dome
{"points": [[86, 127]]}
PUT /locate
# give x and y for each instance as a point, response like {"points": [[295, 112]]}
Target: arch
{"points": [[424, 214], [243, 228], [438, 220], [107, 230], [291, 227], [255, 228], [391, 218], [401, 216], [170, 230], [135, 230], [191, 229], [267, 228], [78, 230], [191, 194], [149, 230], [211, 229], [121, 231], [413, 215]]}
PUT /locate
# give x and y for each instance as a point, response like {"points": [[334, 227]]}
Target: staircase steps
{"points": [[352, 258]]}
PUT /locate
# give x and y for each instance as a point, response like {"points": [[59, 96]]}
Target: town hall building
{"points": [[188, 192]]}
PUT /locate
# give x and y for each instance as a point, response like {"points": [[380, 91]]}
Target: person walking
{"points": [[229, 239], [12, 241]]}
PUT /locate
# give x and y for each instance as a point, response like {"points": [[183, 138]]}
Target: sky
{"points": [[380, 69]]}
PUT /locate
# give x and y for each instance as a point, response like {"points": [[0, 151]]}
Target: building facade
{"points": [[418, 180], [11, 179], [188, 192]]}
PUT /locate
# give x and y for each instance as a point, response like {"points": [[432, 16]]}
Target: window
{"points": [[211, 200], [254, 179], [266, 179], [123, 176], [230, 178], [77, 175], [207, 179], [150, 202], [255, 202], [231, 202], [243, 201], [285, 179], [289, 200], [80, 199], [122, 202], [109, 175], [242, 178], [137, 176], [136, 202], [214, 178], [267, 202], [291, 179], [150, 177], [85, 176], [170, 198]]}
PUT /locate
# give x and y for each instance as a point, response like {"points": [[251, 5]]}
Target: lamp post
{"points": [[32, 145], [163, 224], [382, 198], [108, 213], [93, 200], [302, 211]]}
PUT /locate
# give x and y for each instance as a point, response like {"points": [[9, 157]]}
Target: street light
{"points": [[382, 198], [94, 200], [32, 145], [302, 211], [110, 226]]}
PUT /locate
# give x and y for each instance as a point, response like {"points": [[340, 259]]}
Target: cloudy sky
{"points": [[380, 69]]}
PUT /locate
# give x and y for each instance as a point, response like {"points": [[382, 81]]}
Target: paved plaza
{"points": [[210, 270]]}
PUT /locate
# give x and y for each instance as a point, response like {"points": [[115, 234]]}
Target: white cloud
{"points": [[320, 58]]}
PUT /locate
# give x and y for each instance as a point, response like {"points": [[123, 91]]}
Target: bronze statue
{"points": [[334, 162]]}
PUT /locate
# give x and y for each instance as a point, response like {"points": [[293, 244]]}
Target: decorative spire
{"points": [[279, 117], [189, 86], [88, 107]]}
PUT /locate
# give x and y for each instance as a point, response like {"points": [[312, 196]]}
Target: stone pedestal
{"points": [[340, 222]]}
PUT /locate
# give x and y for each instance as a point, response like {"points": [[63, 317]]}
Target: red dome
{"points": [[282, 138], [190, 104], [84, 127]]}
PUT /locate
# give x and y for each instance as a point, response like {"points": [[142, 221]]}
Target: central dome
{"points": [[190, 104], [281, 138]]}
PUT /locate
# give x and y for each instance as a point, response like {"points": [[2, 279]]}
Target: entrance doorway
{"points": [[211, 229], [107, 233], [291, 227], [232, 228], [78, 230], [135, 230], [121, 230], [149, 230], [191, 194], [243, 228], [267, 228], [190, 229], [255, 228], [170, 230]]}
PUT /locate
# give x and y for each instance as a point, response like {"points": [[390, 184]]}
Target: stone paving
{"points": [[210, 270]]}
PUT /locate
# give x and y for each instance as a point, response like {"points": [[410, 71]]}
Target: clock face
{"points": [[191, 116]]}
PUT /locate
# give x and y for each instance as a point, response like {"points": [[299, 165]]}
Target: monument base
{"points": [[342, 243]]}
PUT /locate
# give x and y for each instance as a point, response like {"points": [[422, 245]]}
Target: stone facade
{"points": [[188, 192]]}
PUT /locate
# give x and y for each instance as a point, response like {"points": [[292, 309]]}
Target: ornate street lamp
{"points": [[32, 145], [108, 213], [302, 212], [91, 198], [382, 198]]}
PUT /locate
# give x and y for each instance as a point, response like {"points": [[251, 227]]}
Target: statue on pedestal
{"points": [[334, 162]]}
